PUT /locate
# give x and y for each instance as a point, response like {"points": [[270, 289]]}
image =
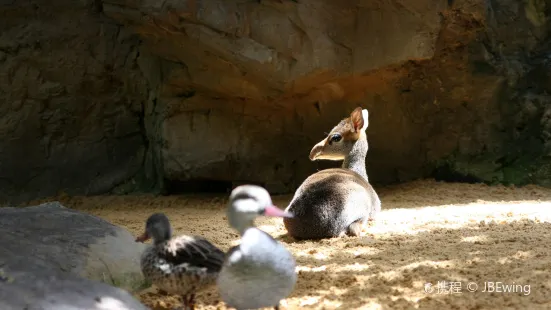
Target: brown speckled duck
{"points": [[180, 265]]}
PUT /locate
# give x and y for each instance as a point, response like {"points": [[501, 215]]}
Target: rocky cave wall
{"points": [[72, 100], [120, 96]]}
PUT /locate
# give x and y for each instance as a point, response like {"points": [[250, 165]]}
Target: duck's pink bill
{"points": [[275, 211]]}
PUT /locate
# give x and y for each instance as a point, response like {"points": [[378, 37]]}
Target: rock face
{"points": [[52, 237], [239, 91], [455, 89], [72, 99]]}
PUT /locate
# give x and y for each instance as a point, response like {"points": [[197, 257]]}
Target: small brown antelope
{"points": [[336, 201]]}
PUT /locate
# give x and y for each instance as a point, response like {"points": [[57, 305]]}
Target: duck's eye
{"points": [[261, 211], [335, 138]]}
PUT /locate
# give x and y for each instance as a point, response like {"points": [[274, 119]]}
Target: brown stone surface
{"points": [[71, 98], [239, 91], [251, 86]]}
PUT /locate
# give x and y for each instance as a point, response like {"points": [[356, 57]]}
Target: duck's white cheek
{"points": [[235, 257]]}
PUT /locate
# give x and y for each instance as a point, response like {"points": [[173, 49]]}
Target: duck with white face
{"points": [[260, 271]]}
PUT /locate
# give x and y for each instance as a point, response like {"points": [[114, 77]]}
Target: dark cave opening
{"points": [[203, 186], [175, 187], [447, 174]]}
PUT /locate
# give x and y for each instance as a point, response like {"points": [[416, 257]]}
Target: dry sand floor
{"points": [[428, 232]]}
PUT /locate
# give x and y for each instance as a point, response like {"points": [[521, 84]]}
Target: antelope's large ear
{"points": [[365, 116], [357, 119]]}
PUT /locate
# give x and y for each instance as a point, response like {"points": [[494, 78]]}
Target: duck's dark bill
{"points": [[142, 238], [275, 211]]}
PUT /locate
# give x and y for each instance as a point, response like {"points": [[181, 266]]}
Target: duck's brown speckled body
{"points": [[180, 265]]}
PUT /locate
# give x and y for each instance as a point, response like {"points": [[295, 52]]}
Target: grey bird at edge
{"points": [[259, 272]]}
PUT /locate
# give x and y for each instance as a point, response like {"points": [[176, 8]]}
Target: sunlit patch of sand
{"points": [[428, 232]]}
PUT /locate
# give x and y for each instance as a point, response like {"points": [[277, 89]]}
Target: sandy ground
{"points": [[428, 232]]}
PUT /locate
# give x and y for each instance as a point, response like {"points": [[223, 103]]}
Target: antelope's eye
{"points": [[335, 138]]}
